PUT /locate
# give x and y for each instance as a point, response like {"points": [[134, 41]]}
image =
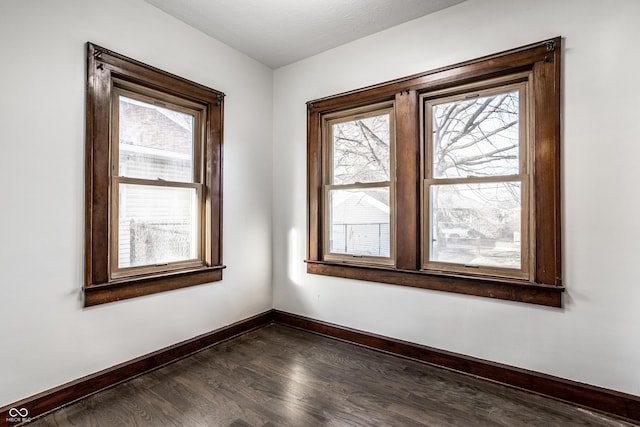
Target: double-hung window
{"points": [[153, 180], [156, 184], [476, 203], [446, 180], [358, 194]]}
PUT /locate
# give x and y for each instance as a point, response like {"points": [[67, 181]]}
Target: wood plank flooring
{"points": [[279, 376]]}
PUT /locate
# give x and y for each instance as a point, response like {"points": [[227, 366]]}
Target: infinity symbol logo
{"points": [[22, 412]]}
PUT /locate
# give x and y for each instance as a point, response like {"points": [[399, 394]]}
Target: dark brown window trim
{"points": [[506, 289], [103, 66], [542, 59], [135, 287]]}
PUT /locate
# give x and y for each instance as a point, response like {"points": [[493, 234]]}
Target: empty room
{"points": [[319, 212]]}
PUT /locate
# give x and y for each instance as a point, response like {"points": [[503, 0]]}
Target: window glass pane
{"points": [[476, 224], [359, 222], [476, 137], [156, 225], [361, 150], [155, 142]]}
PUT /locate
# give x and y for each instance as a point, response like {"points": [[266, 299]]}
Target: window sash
{"points": [[153, 97], [356, 258], [120, 272], [479, 269]]}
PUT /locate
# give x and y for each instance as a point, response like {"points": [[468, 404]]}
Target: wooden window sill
{"points": [[132, 287], [499, 288]]}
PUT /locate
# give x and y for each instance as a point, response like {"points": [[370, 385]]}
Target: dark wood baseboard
{"points": [[67, 393], [595, 398]]}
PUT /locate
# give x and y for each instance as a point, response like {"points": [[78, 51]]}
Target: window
{"points": [[446, 180], [358, 193], [476, 185], [153, 180]]}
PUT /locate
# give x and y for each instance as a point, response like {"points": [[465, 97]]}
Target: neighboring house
{"points": [[360, 224]]}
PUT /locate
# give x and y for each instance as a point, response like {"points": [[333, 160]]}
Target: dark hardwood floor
{"points": [[279, 376]]}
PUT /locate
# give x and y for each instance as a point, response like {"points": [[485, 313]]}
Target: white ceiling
{"points": [[279, 32]]}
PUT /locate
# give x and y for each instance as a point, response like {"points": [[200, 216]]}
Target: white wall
{"points": [[46, 337], [595, 337]]}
